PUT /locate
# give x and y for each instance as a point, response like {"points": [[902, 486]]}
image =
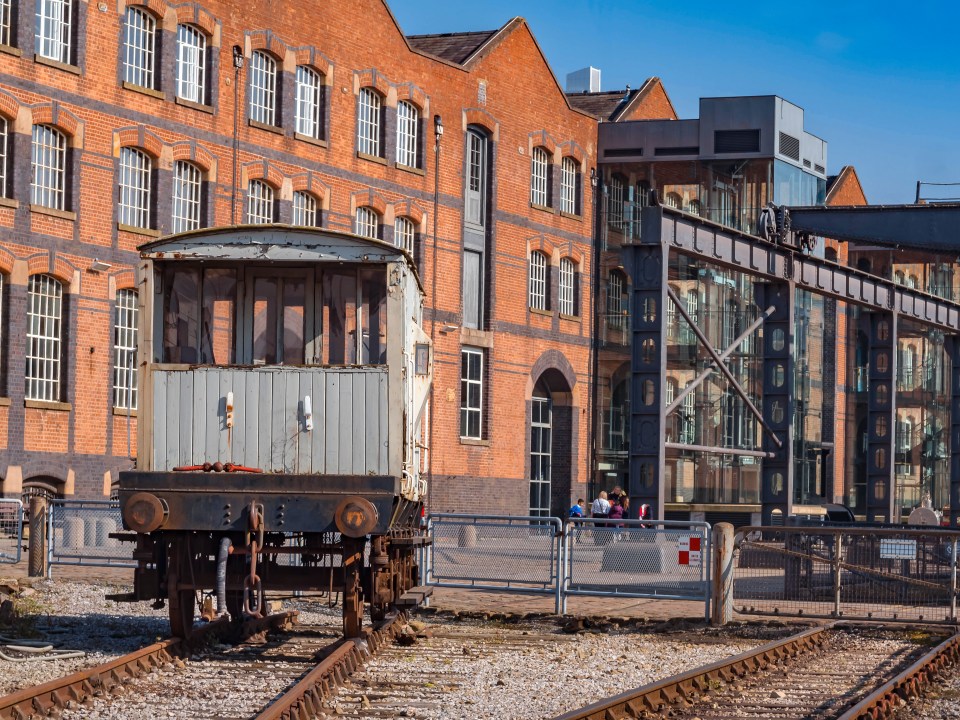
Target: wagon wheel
{"points": [[182, 605]]}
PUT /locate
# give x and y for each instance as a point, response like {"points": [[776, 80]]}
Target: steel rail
{"points": [[304, 700], [658, 696], [56, 695], [889, 697]]}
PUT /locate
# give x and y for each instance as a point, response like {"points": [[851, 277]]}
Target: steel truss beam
{"points": [[728, 248], [881, 415]]}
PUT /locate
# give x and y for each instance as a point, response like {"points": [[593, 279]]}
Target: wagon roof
{"points": [[274, 243]]}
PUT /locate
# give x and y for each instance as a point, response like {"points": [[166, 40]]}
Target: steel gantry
{"points": [[780, 272]]}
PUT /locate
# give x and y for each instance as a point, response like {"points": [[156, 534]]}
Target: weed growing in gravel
{"points": [[26, 613]]}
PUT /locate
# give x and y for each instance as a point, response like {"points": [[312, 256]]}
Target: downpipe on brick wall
{"points": [[238, 67]]}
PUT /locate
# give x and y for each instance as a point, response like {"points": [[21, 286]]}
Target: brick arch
{"points": [[9, 105], [412, 93], [541, 138], [312, 57], [139, 137], [263, 170], [481, 118], [555, 371], [573, 256], [543, 244], [195, 14], [125, 279], [53, 265], [369, 198], [373, 79], [310, 182], [156, 7], [267, 40], [7, 259], [197, 154], [572, 149], [54, 114], [409, 209]]}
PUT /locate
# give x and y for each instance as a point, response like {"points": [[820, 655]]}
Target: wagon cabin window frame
{"points": [[225, 314]]}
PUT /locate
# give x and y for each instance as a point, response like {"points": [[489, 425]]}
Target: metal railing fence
{"points": [[495, 552], [11, 530], [658, 559], [850, 572], [78, 533]]}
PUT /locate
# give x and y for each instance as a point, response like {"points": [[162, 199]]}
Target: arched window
{"points": [[569, 173], [404, 232], [616, 299], [305, 209], [538, 280], [125, 350], [369, 122], [134, 191], [139, 47], [187, 197], [367, 223], [567, 287], [694, 207], [44, 339], [408, 133], [49, 160], [539, 187], [541, 452], [261, 206], [263, 88], [672, 199], [5, 184], [191, 64], [309, 112]]}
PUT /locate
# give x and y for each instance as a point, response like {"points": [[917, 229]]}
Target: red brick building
{"points": [[122, 122]]}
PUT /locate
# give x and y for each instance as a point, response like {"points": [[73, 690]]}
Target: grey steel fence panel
{"points": [[11, 530], [850, 572], [495, 552], [78, 533], [659, 559]]}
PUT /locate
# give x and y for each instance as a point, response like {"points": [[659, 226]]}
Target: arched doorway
{"points": [[551, 443], [541, 452]]}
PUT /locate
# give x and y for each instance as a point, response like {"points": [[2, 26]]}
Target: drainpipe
{"points": [[438, 133], [237, 66]]}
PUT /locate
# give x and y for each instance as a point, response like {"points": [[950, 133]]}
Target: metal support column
{"points": [[648, 312], [881, 415], [776, 488], [953, 345]]}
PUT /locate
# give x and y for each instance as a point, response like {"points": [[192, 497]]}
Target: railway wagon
{"points": [[283, 376]]}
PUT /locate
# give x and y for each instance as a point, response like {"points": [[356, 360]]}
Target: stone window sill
{"points": [[543, 208], [538, 311], [572, 318], [477, 442], [264, 126], [125, 412], [48, 405], [53, 212], [9, 203], [138, 230], [571, 216], [10, 50], [4, 402], [372, 158], [195, 106], [66, 67], [144, 90], [312, 140], [412, 170]]}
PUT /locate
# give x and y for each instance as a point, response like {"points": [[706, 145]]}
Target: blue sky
{"points": [[879, 81]]}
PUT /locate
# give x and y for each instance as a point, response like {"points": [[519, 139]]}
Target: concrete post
{"points": [[722, 611], [37, 549]]}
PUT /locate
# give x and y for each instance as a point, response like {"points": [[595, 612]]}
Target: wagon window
{"points": [[180, 317], [340, 317], [373, 317], [218, 330]]}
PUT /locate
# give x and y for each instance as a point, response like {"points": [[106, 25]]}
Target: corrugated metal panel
{"points": [[350, 415]]}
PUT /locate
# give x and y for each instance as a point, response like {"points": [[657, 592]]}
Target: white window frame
{"points": [[44, 352], [49, 158], [187, 197], [367, 222], [309, 105], [615, 299], [261, 203], [368, 122], [471, 411], [688, 420], [191, 64], [54, 29], [304, 209], [134, 188], [568, 274], [139, 47], [4, 154], [538, 177], [263, 88], [125, 350], [538, 280], [408, 132], [404, 233], [5, 23], [615, 203], [541, 460], [569, 169]]}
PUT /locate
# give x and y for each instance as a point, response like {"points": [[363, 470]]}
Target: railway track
{"points": [[285, 675], [832, 671]]}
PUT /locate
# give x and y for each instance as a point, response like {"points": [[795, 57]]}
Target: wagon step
{"points": [[414, 596]]}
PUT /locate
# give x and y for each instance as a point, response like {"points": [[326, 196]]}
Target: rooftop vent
{"points": [[585, 80], [736, 141], [820, 169], [790, 146]]}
